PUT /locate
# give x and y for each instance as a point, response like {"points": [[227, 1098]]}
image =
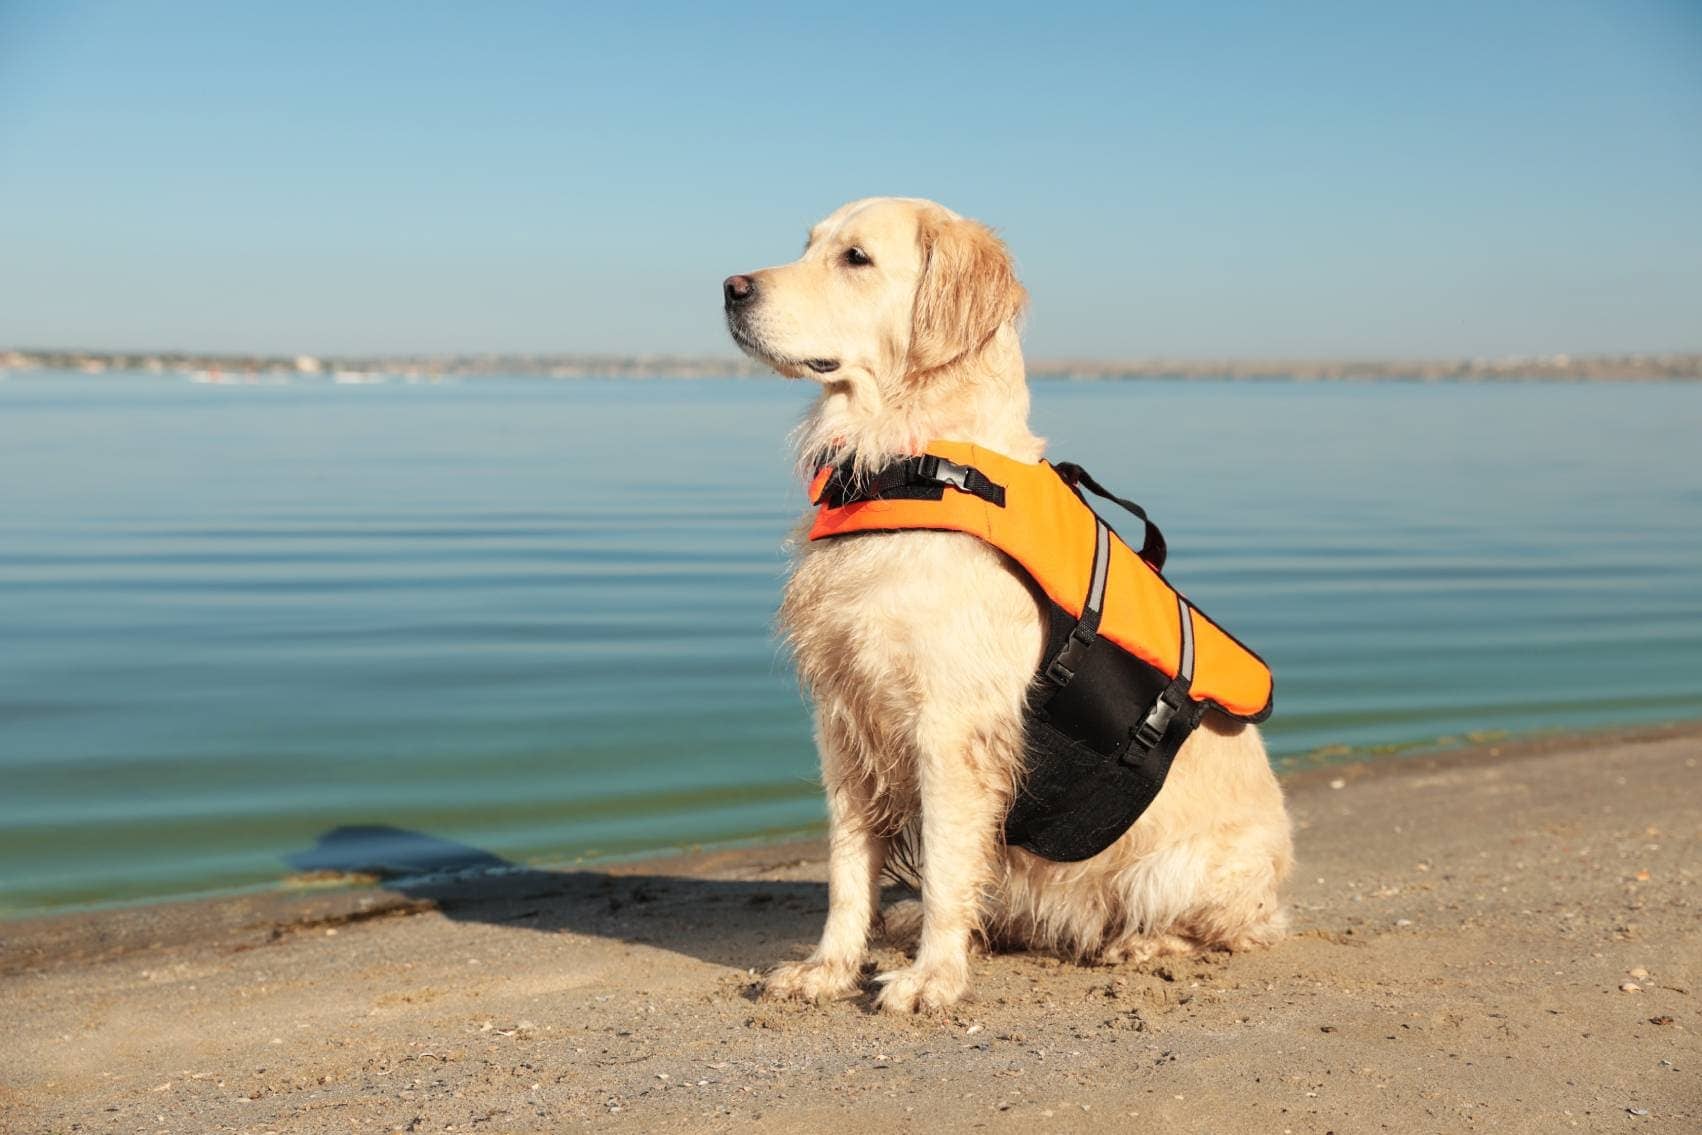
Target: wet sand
{"points": [[1497, 939]]}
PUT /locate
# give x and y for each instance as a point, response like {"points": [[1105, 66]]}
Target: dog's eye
{"points": [[857, 258]]}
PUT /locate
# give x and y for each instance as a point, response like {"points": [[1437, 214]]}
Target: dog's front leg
{"points": [[961, 811], [855, 855]]}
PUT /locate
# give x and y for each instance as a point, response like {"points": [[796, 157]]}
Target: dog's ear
{"points": [[968, 291]]}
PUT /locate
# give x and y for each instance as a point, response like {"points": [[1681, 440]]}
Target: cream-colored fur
{"points": [[919, 649]]}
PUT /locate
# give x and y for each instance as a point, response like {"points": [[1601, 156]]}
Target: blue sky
{"points": [[1176, 179]]}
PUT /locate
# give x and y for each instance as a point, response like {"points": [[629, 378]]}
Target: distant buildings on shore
{"points": [[239, 368]]}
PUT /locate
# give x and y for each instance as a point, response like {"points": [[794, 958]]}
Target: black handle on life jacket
{"points": [[1153, 548]]}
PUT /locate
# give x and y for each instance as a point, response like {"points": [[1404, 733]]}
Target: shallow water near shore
{"points": [[534, 617]]}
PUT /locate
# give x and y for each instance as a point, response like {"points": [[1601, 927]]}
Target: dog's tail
{"points": [[904, 858]]}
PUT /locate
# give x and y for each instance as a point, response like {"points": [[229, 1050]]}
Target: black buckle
{"points": [[1070, 656], [1152, 728], [939, 470]]}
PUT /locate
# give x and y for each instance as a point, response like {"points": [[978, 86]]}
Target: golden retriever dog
{"points": [[919, 649]]}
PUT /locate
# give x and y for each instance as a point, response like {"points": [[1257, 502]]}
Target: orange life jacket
{"points": [[1130, 664]]}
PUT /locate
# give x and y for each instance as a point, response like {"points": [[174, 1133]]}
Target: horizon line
{"points": [[740, 360], [1674, 366]]}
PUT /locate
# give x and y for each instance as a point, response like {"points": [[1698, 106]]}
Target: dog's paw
{"points": [[1138, 949], [810, 981], [918, 990]]}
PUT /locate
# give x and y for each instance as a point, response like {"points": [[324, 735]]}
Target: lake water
{"points": [[534, 616]]}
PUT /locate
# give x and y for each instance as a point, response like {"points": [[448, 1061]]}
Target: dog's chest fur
{"points": [[910, 642]]}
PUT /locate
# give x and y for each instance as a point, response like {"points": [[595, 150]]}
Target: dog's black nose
{"points": [[738, 290]]}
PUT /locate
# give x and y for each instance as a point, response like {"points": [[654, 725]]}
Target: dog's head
{"points": [[888, 289]]}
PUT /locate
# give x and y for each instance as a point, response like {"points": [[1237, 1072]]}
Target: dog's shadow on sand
{"points": [[733, 922]]}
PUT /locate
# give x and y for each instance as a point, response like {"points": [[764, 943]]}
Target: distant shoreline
{"points": [[1511, 368]]}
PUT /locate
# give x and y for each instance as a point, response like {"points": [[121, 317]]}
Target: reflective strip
{"points": [[1185, 669], [1062, 669], [1101, 567]]}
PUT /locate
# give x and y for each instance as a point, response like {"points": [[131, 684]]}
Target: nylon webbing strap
{"points": [[913, 477], [1175, 696], [1153, 548], [1070, 656]]}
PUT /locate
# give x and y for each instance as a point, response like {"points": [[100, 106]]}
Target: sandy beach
{"points": [[1495, 939]]}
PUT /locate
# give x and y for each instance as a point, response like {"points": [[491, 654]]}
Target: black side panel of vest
{"points": [[1081, 792]]}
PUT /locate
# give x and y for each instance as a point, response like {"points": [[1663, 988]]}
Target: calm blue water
{"points": [[534, 616]]}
